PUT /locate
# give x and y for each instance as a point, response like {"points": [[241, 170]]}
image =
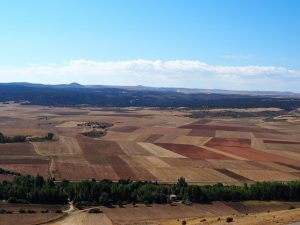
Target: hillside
{"points": [[105, 96]]}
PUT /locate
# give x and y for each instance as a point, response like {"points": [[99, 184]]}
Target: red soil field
{"points": [[229, 128], [125, 129], [19, 149], [153, 137], [202, 133], [280, 142], [230, 142], [247, 152], [192, 151]]}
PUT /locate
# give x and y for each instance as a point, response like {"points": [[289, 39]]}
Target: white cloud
{"points": [[179, 73]]}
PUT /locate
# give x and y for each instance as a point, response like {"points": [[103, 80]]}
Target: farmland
{"points": [[249, 212], [150, 144]]}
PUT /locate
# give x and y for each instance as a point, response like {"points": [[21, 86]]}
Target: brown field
{"points": [[6, 177], [150, 144], [193, 152], [249, 212], [29, 219]]}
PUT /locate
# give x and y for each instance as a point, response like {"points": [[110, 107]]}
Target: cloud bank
{"points": [[173, 73]]}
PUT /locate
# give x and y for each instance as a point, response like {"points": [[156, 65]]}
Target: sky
{"points": [[212, 44]]}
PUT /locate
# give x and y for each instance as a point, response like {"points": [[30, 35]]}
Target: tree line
{"points": [[21, 138], [29, 189], [12, 139]]}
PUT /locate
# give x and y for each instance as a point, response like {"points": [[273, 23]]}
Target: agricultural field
{"points": [[32, 214], [249, 212], [150, 144]]}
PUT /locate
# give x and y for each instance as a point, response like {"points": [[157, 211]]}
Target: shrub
{"points": [[183, 222], [58, 211], [2, 211], [31, 211], [229, 219], [95, 210], [45, 211], [15, 200], [292, 207], [22, 211]]}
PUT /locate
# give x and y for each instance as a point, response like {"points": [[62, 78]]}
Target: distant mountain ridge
{"points": [[75, 94], [171, 89]]}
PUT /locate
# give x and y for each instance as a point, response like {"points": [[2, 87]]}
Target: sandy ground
{"points": [[283, 217], [216, 213], [84, 218]]}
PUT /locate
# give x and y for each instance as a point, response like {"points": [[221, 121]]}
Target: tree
{"points": [[104, 198], [39, 181], [50, 136], [181, 182], [2, 138]]}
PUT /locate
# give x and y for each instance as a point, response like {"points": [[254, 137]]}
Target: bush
{"points": [[58, 211], [95, 210], [31, 211], [183, 222], [292, 207], [45, 211], [22, 211], [15, 200], [12, 200], [229, 219], [2, 211]]}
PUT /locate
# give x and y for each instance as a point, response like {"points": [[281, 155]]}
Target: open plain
{"points": [[150, 144]]}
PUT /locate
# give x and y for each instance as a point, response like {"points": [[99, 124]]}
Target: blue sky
{"points": [[228, 44]]}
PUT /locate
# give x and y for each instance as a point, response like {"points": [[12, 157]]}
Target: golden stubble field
{"points": [[150, 144]]}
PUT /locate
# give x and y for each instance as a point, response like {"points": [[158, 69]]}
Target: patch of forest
{"points": [[21, 138], [12, 139], [95, 133], [29, 189]]}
